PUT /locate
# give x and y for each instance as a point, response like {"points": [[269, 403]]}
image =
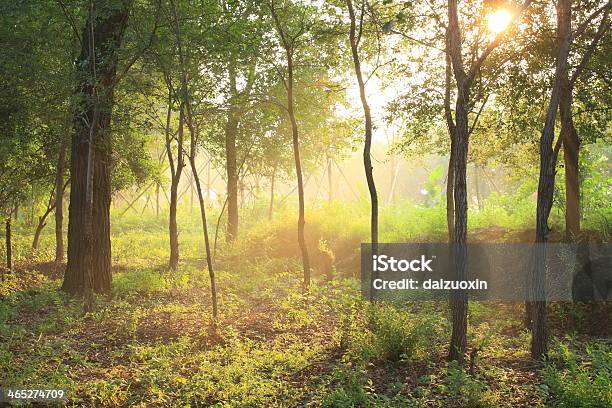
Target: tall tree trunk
{"points": [[176, 178], [59, 204], [186, 109], [459, 302], [89, 222], [298, 169], [289, 47], [546, 183], [459, 135], [367, 156]]}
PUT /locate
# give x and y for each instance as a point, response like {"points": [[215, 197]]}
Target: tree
{"points": [[354, 39], [569, 134], [34, 38], [289, 40], [464, 79], [235, 50], [187, 106], [90, 195]]}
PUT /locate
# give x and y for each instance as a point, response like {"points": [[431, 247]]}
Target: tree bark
{"points": [[42, 220], [367, 156], [89, 223], [298, 169], [271, 207], [186, 108], [231, 129], [459, 302], [288, 45], [571, 154], [396, 166], [174, 185], [211, 272], [42, 223], [450, 188], [157, 199], [460, 137], [477, 187], [450, 124], [9, 246], [59, 204], [330, 196], [546, 184]]}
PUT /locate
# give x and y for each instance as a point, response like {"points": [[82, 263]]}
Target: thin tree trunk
{"points": [[208, 182], [367, 157], [211, 272], [231, 130], [450, 177], [42, 223], [176, 178], [396, 167], [477, 187], [298, 170], [191, 193], [9, 246], [232, 177], [242, 193], [330, 180], [271, 207], [186, 108], [59, 204], [288, 45], [450, 188], [157, 200]]}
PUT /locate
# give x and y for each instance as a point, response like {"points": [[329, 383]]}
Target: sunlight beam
{"points": [[498, 21]]}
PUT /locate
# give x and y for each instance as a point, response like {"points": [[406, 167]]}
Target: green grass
{"points": [[150, 342]]}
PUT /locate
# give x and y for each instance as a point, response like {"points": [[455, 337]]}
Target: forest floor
{"points": [[150, 341]]}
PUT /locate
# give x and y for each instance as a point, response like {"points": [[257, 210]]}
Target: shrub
{"points": [[392, 334], [581, 381]]}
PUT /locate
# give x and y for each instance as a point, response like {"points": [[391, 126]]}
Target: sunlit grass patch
{"points": [[579, 378]]}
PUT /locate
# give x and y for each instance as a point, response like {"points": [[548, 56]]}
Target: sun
{"points": [[498, 21]]}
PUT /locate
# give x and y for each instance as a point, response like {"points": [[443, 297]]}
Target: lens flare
{"points": [[498, 21]]}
